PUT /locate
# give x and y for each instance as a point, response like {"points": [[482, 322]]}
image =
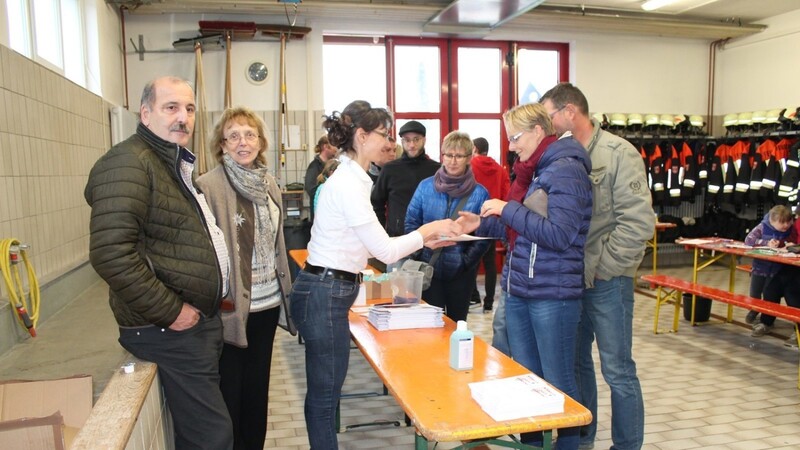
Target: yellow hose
{"points": [[27, 313]]}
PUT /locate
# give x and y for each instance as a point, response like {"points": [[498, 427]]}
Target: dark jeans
{"points": [[452, 295], [541, 334], [188, 366], [769, 288], [319, 308], [490, 281], [245, 380]]}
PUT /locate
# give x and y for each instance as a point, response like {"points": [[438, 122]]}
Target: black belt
{"points": [[333, 273]]}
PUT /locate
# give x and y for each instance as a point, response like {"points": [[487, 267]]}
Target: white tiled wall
{"points": [[51, 133]]}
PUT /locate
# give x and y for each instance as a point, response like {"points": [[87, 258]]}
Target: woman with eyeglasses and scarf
{"points": [[437, 197], [246, 201]]}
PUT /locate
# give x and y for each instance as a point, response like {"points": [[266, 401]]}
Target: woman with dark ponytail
{"points": [[345, 234]]}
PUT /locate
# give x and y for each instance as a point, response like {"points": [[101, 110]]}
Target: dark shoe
{"points": [[487, 309], [475, 301], [751, 317]]}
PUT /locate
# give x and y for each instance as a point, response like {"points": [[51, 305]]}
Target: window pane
{"points": [[538, 72], [479, 80], [73, 41], [47, 31], [341, 84], [433, 137], [485, 128], [417, 78], [18, 26]]}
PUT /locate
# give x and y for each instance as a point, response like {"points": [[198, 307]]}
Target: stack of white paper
{"points": [[517, 397], [400, 317]]}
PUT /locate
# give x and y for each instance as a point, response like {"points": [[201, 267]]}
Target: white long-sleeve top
{"points": [[346, 231]]}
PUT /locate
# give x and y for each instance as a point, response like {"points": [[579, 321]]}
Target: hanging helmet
{"points": [[696, 121], [758, 117], [772, 116], [666, 120], [635, 122], [681, 123], [618, 120], [601, 119], [651, 122], [730, 121]]}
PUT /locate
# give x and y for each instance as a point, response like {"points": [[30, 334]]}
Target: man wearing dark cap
{"points": [[494, 178], [399, 179]]}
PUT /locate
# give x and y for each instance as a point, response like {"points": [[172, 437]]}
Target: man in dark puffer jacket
{"points": [[156, 244]]}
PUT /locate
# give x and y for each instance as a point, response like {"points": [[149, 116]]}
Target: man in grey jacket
{"points": [[154, 241], [622, 222]]}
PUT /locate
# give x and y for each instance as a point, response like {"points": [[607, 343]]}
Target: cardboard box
{"points": [[371, 290], [378, 290], [43, 414]]}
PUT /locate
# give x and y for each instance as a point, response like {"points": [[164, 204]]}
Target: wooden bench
{"points": [[744, 267], [670, 289]]}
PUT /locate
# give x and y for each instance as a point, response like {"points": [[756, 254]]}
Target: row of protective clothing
{"points": [[746, 171]]}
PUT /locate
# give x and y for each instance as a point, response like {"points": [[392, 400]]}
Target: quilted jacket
{"points": [[547, 260], [426, 206], [148, 238]]}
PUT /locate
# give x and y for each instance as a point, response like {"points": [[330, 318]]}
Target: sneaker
{"points": [[791, 343], [760, 329], [475, 301], [751, 317]]}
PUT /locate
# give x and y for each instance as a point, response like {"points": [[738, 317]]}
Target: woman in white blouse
{"points": [[345, 234]]}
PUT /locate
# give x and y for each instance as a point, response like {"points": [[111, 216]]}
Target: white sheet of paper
{"points": [[463, 238]]}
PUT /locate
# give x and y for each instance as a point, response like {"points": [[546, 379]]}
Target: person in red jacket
{"points": [[495, 179]]}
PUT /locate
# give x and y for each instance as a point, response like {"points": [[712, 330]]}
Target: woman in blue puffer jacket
{"points": [[546, 221], [436, 198]]}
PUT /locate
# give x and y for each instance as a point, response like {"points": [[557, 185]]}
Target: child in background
{"points": [[772, 232], [327, 170]]}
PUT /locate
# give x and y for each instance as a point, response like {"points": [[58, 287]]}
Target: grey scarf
{"points": [[252, 185]]}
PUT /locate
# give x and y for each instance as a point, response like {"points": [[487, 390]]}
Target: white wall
{"points": [[161, 31], [617, 73], [761, 72]]}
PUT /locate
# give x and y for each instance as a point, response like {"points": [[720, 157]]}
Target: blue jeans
{"points": [[541, 334], [319, 308], [607, 315], [499, 332]]}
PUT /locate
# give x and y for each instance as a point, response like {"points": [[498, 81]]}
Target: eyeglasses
{"points": [[454, 156], [552, 114], [513, 139], [415, 140], [384, 134], [236, 138]]}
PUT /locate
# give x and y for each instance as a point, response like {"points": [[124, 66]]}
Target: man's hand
{"points": [[188, 318]]}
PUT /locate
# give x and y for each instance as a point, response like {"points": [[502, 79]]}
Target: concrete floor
{"points": [[711, 386]]}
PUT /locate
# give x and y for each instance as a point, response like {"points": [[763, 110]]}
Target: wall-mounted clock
{"points": [[257, 72]]}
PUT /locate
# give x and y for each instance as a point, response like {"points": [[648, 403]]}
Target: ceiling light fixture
{"points": [[682, 5], [651, 5]]}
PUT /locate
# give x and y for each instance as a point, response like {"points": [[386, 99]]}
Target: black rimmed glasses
{"points": [[383, 134], [454, 156], [552, 114]]}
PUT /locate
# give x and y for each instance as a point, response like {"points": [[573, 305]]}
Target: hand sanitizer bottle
{"points": [[461, 347]]}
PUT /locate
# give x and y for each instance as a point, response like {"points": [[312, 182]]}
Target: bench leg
{"points": [[797, 336], [663, 296]]}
